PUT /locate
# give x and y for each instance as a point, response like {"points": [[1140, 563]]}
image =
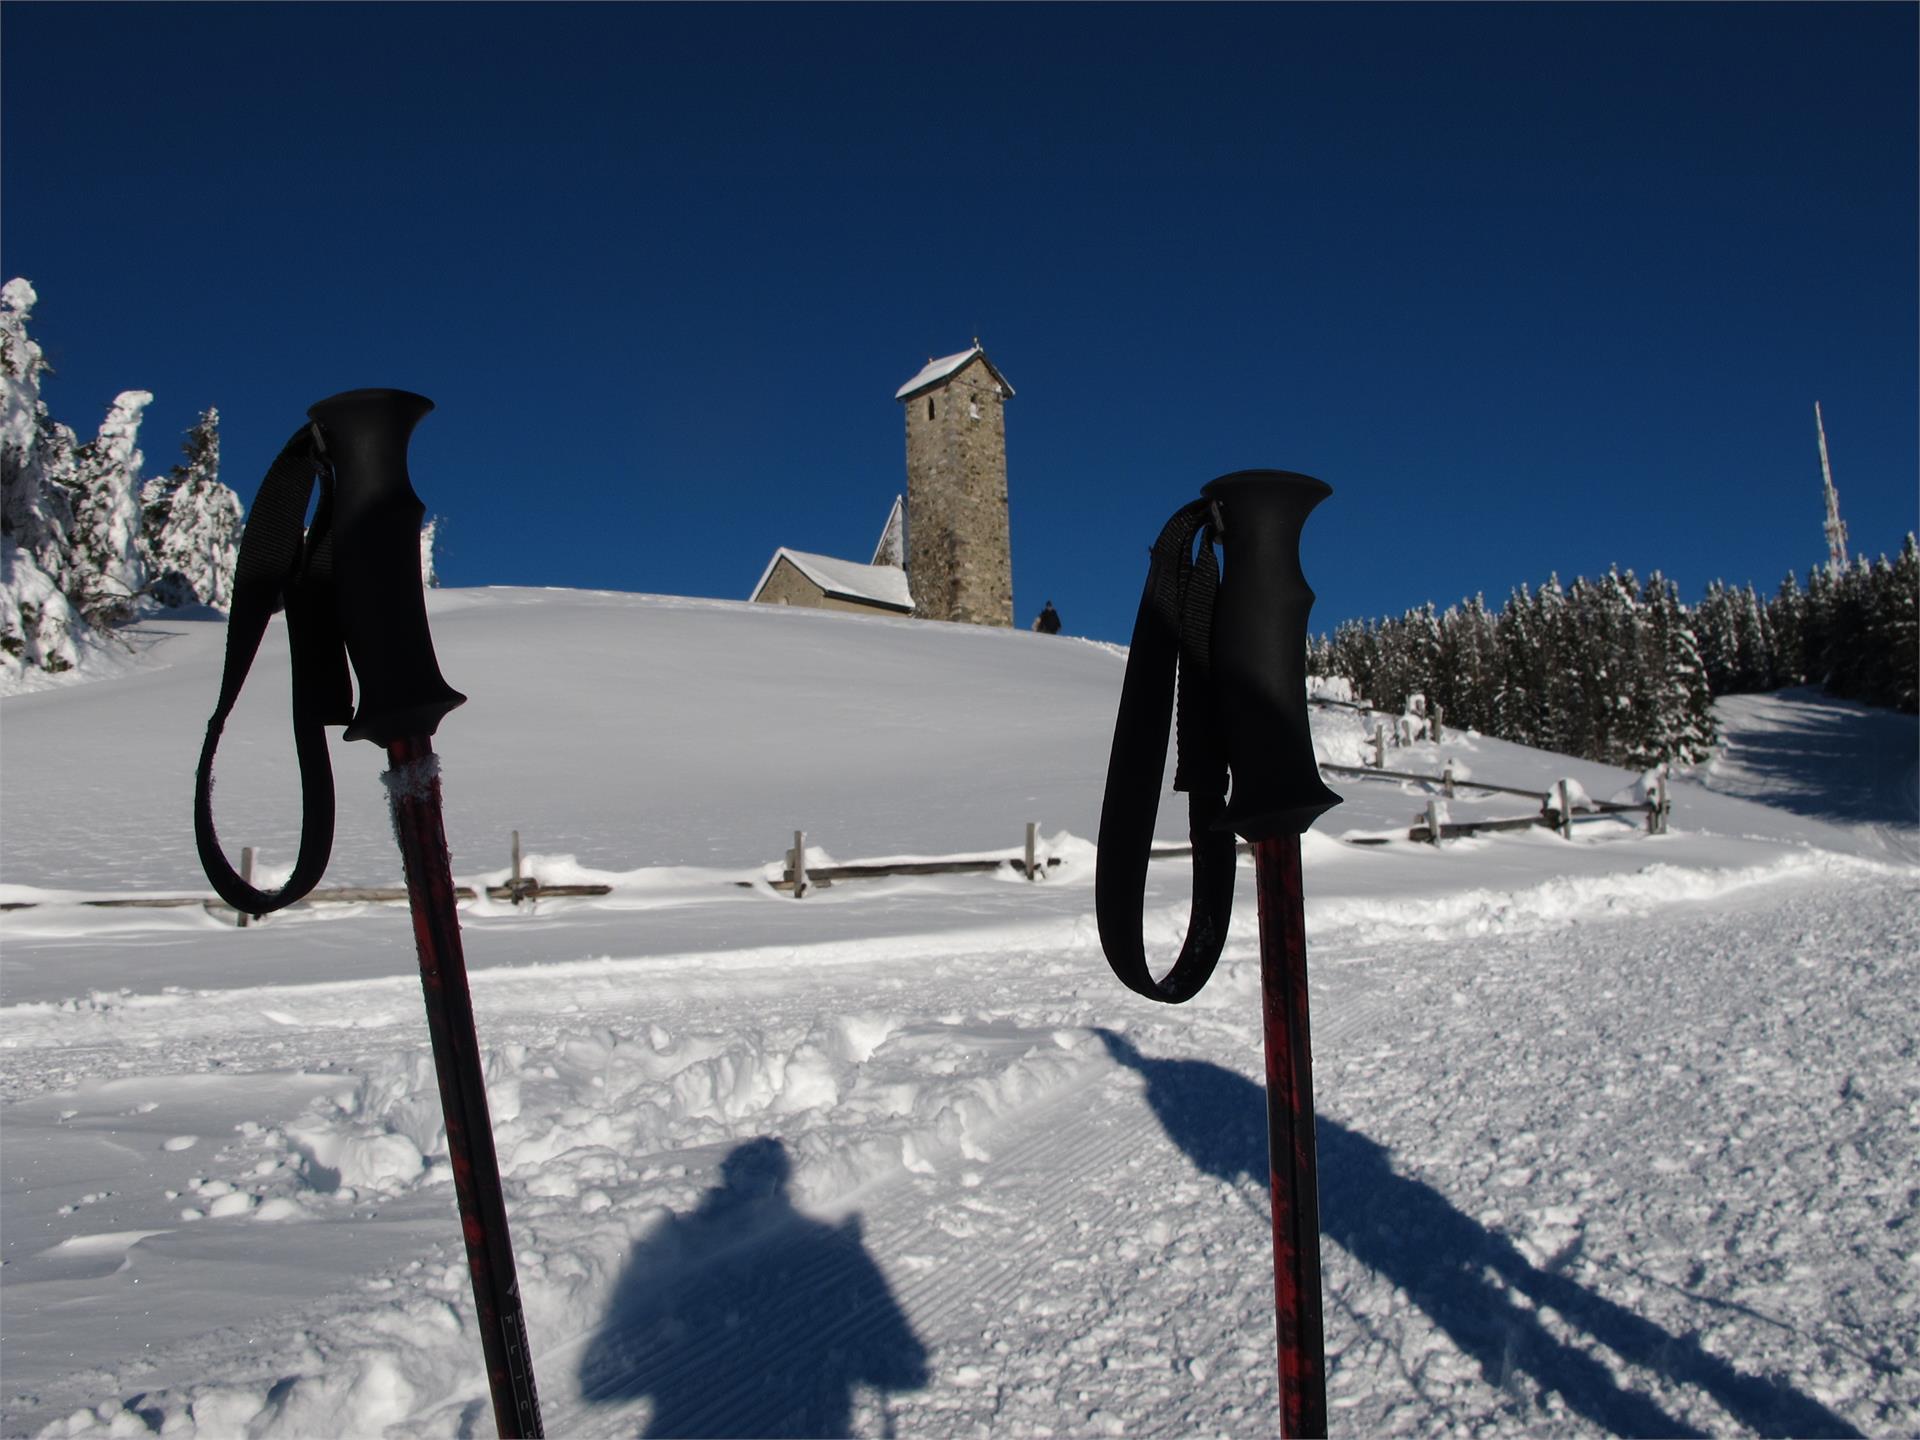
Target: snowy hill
{"points": [[1809, 753], [1612, 1130]]}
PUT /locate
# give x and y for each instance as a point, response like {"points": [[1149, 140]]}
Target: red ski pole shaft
{"points": [[1293, 1178], [415, 785]]}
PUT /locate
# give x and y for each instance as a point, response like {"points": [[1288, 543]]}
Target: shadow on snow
{"points": [[1464, 1276], [745, 1317], [1806, 752]]}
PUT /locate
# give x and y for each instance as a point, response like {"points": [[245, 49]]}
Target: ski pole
{"points": [[1292, 1173], [383, 616], [413, 778], [1229, 651], [350, 584]]}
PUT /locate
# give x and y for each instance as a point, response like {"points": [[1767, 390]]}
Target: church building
{"points": [[947, 553]]}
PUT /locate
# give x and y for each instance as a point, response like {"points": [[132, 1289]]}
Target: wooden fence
{"points": [[797, 879], [1557, 810], [520, 888]]}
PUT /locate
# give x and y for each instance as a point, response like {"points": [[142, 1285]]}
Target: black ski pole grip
{"points": [[381, 604], [1259, 651]]}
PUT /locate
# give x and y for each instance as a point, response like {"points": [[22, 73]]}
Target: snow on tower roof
{"points": [[884, 585], [936, 371]]}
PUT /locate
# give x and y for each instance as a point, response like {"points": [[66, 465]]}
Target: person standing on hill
{"points": [[1048, 621]]}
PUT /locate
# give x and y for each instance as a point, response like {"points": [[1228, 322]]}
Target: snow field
{"points": [[1616, 1136], [1019, 1145]]}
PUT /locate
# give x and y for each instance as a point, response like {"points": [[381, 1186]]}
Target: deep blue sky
{"points": [[1531, 288]]}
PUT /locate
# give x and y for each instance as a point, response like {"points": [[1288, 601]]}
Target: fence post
{"points": [[514, 885], [1434, 731], [1380, 744], [797, 864], [1436, 817], [247, 853], [1657, 812], [1446, 779], [1033, 846], [1566, 809], [1406, 731]]}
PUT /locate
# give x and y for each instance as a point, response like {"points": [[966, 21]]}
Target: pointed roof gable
{"points": [[892, 548], [938, 372]]}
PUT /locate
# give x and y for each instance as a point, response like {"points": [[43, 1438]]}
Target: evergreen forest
{"points": [[1619, 670]]}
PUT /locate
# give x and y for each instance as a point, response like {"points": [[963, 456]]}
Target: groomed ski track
{"points": [[1075, 1258]]}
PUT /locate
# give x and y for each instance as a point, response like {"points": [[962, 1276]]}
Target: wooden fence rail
{"points": [[798, 878], [520, 889], [1369, 772], [527, 889]]}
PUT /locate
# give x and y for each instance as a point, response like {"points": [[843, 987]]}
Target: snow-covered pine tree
{"points": [[1717, 631], [1585, 687], [1461, 683], [1817, 624], [1516, 704], [1629, 687], [1480, 662], [1319, 650], [1560, 701], [430, 553], [1900, 611], [1423, 635], [192, 525], [1755, 668], [1352, 652], [40, 630], [1852, 658], [110, 559], [1786, 617], [1675, 719]]}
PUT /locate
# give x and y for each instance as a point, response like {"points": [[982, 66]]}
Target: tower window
{"points": [[929, 407]]}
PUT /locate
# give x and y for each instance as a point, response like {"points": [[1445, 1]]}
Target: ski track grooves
{"points": [[1106, 1124], [896, 1224]]}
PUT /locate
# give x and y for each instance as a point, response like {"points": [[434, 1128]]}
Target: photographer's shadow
{"points": [[1410, 1234], [747, 1318]]}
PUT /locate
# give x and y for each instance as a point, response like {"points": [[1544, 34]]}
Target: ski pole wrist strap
{"points": [[1168, 682], [284, 563]]}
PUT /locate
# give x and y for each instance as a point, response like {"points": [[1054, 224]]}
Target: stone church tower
{"points": [[959, 552]]}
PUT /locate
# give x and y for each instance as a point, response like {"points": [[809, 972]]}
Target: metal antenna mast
{"points": [[1836, 527]]}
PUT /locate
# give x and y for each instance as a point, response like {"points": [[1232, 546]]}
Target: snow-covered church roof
{"points": [[884, 585], [935, 371]]}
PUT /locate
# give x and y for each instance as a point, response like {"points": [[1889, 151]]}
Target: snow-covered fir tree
{"points": [[192, 525], [1787, 611], [430, 553], [1675, 717], [1900, 617], [40, 629], [107, 540], [81, 538]]}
